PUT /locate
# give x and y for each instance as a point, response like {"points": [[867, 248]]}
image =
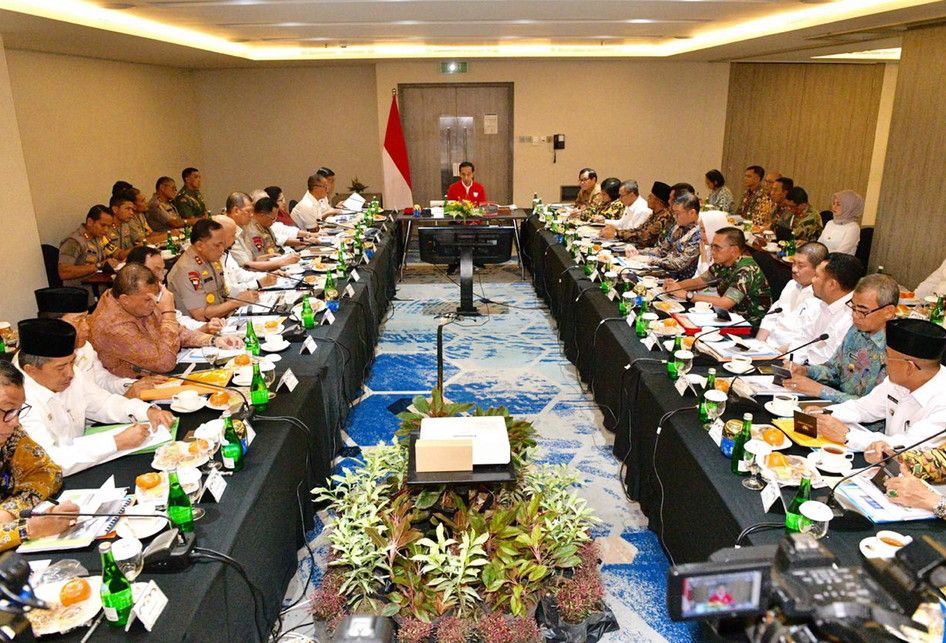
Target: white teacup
{"points": [[835, 456], [740, 363], [188, 399], [650, 317], [769, 235], [892, 540], [703, 307], [649, 281], [784, 403]]}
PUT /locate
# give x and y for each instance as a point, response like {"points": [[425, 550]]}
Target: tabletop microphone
{"points": [[246, 410], [270, 310], [169, 551], [848, 520], [819, 338]]}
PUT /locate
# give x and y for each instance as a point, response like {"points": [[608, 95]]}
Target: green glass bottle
{"points": [[738, 464], [170, 244], [793, 517], [640, 324], [251, 341], [115, 590], [790, 246], [232, 449], [710, 385], [179, 505], [936, 315], [622, 306], [259, 392], [3, 346], [330, 290], [308, 315], [673, 364]]}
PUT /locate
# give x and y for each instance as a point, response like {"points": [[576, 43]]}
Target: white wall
{"points": [[635, 120], [21, 261], [86, 123]]}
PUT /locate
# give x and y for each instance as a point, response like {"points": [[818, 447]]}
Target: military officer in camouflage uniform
{"points": [[805, 223], [189, 201], [197, 278], [88, 249], [742, 288]]}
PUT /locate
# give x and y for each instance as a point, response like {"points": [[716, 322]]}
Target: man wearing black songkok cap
{"points": [[63, 398], [911, 400]]}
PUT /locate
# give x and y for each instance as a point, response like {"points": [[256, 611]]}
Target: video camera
{"points": [[803, 595], [16, 596]]}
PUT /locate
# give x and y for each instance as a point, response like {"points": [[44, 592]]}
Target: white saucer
{"points": [[131, 526], [713, 337], [239, 381], [869, 548], [737, 371], [186, 409], [270, 348], [768, 407], [815, 459]]}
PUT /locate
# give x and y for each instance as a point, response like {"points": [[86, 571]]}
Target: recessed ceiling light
{"points": [[893, 53]]}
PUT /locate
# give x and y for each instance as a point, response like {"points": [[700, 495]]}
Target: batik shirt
{"points": [[859, 364], [744, 283], [808, 227], [721, 199], [757, 206], [190, 203], [647, 234], [928, 464], [585, 197], [27, 477], [611, 210], [678, 252]]}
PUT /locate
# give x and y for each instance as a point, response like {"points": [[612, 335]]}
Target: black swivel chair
{"points": [[826, 215], [51, 262], [776, 272], [292, 204], [863, 246]]}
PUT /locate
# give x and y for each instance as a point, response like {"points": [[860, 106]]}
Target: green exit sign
{"points": [[452, 67]]}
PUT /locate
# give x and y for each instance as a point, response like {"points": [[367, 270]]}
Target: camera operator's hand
{"points": [[910, 491], [877, 451]]}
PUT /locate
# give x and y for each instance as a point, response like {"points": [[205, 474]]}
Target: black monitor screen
{"points": [[443, 244]]}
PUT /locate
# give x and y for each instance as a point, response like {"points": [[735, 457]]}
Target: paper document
{"points": [[489, 435], [861, 495], [355, 202], [745, 346]]}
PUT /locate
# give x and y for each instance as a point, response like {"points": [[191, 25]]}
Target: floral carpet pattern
{"points": [[509, 357]]}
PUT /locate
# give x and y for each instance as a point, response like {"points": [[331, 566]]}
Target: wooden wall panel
{"points": [[812, 122], [910, 234]]}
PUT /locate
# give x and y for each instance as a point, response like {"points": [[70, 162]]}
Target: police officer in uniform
{"points": [[88, 249], [197, 279]]}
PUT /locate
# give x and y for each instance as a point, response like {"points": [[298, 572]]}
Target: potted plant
{"points": [[577, 612], [357, 186]]}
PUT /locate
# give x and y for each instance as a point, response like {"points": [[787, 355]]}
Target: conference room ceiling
{"points": [[225, 33]]}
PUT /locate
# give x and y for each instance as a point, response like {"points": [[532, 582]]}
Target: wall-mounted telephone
{"points": [[558, 141]]}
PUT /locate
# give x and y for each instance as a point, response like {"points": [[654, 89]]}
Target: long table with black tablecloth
{"points": [[266, 507], [680, 478]]}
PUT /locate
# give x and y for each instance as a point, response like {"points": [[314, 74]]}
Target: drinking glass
{"points": [[757, 449], [211, 353], [269, 377], [684, 362], [815, 518], [715, 404], [127, 552]]}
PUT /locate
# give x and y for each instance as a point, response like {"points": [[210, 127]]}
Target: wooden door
{"points": [[445, 124]]}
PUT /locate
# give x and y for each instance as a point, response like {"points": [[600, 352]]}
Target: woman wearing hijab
{"points": [[710, 222], [843, 232]]}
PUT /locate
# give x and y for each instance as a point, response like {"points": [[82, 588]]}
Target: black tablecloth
{"points": [[267, 506], [680, 478]]}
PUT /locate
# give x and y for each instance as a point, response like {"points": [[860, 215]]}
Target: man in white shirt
{"points": [[783, 329], [827, 312], [935, 284], [237, 277], [636, 211], [241, 209], [286, 235], [63, 398], [911, 399], [313, 207]]}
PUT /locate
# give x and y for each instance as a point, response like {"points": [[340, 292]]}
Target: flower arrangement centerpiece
{"points": [[462, 209], [455, 563]]}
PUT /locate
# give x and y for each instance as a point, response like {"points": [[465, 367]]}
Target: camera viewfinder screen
{"points": [[730, 592]]}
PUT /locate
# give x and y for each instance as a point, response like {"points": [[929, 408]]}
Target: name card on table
{"points": [[308, 346], [593, 276], [350, 290], [771, 493], [355, 276], [716, 432], [649, 341], [365, 258], [148, 606], [682, 386], [289, 380], [328, 317], [215, 484], [250, 434], [612, 293]]}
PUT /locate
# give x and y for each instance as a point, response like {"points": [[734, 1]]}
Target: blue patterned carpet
{"points": [[510, 357]]}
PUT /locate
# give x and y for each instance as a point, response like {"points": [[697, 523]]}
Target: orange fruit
{"points": [[219, 398], [242, 360], [75, 591], [198, 446], [148, 480], [776, 460], [772, 436], [271, 324]]}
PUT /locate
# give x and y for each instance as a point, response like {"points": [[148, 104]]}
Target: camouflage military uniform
{"points": [[808, 227], [744, 283], [647, 234], [190, 203], [196, 283]]}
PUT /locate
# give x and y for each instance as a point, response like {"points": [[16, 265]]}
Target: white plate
{"points": [[768, 407], [70, 617], [738, 371], [868, 547], [318, 305], [270, 348], [222, 407], [191, 461], [786, 442], [139, 527], [293, 269], [186, 409], [713, 337], [815, 459], [262, 330]]}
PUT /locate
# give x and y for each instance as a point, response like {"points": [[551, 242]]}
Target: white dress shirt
{"points": [[935, 284], [239, 252], [238, 278], [818, 317], [87, 359], [909, 416], [309, 211], [841, 238], [785, 327], [188, 322], [283, 232], [634, 215], [57, 421]]}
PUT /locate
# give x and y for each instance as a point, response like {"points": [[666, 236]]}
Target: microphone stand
{"points": [[853, 520], [269, 309]]}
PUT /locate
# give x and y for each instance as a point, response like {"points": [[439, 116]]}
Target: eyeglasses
{"points": [[863, 311], [12, 414]]}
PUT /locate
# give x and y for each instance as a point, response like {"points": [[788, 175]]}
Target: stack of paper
{"points": [[745, 346], [861, 495]]}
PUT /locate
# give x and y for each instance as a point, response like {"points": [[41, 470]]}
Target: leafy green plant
{"points": [[454, 566], [357, 186]]}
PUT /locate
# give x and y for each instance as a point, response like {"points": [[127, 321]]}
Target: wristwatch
{"points": [[689, 295], [940, 508], [22, 531]]}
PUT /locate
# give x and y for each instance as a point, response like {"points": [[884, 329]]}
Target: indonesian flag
{"points": [[397, 170]]}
